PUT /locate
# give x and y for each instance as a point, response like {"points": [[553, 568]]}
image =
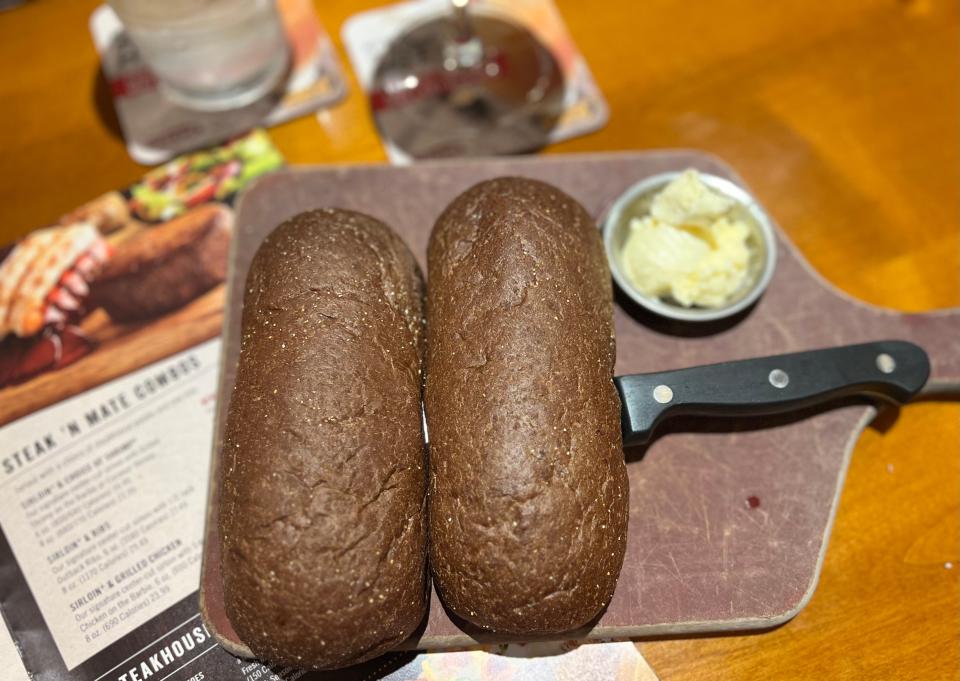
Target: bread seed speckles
{"points": [[343, 306], [533, 439]]}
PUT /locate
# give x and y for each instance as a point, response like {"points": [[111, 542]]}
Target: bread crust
{"points": [[323, 511], [528, 485]]}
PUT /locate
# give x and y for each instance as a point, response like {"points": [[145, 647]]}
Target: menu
{"points": [[103, 547], [10, 663], [109, 359]]}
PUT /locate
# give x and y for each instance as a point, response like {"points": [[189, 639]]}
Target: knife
{"points": [[893, 370]]}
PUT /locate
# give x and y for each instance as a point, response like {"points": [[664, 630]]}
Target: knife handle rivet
{"points": [[886, 363], [778, 378], [663, 394]]}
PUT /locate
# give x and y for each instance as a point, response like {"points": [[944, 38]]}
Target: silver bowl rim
{"points": [[724, 186]]}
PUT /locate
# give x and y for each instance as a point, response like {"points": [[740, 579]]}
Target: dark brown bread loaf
{"points": [[323, 509], [528, 486]]}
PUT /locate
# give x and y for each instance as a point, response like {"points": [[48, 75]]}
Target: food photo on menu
{"points": [[426, 341]]}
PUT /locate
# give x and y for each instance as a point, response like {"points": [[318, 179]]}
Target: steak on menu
{"points": [[165, 267]]}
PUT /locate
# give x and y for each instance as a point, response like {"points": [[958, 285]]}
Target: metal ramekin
{"points": [[635, 202]]}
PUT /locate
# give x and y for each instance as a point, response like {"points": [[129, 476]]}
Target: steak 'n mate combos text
{"points": [[97, 415]]}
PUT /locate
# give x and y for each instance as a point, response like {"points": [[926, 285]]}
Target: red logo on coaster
{"points": [[133, 83]]}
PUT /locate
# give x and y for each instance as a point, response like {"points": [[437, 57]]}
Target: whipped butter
{"points": [[691, 247]]}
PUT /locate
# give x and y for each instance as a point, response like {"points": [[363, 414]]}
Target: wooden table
{"points": [[843, 116]]}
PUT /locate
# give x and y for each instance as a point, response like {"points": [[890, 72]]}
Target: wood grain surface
{"points": [[842, 116]]}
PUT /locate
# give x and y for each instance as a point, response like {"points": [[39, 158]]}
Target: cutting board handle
{"points": [[937, 333]]}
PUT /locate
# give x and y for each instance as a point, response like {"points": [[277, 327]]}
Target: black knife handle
{"points": [[895, 370]]}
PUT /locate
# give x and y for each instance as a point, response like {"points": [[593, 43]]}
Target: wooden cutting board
{"points": [[729, 519]]}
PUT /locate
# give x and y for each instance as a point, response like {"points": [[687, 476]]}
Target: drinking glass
{"points": [[210, 55]]}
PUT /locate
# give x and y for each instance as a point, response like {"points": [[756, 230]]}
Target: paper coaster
{"points": [[367, 36], [156, 129]]}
